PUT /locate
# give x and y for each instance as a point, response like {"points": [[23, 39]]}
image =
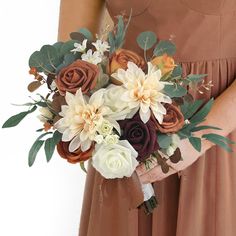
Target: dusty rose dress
{"points": [[202, 202]]}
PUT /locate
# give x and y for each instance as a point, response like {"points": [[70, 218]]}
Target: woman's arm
{"points": [[223, 115], [75, 14]]}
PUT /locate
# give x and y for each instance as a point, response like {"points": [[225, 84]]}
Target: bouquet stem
{"points": [[150, 200]]}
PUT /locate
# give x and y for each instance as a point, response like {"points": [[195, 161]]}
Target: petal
{"points": [[74, 144], [145, 116], [86, 145]]}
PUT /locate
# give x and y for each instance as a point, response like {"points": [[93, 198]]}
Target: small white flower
{"points": [[111, 139], [91, 57], [80, 47], [187, 122], [53, 85], [115, 160], [101, 46], [45, 114], [105, 128], [99, 139]]}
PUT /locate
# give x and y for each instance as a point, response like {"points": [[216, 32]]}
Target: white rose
{"points": [[119, 109], [111, 139], [115, 160]]}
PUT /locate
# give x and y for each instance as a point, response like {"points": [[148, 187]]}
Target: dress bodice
{"points": [[201, 29]]}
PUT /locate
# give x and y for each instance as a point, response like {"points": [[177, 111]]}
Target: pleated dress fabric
{"points": [[202, 201]]}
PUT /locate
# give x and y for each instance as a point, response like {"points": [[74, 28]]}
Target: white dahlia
{"points": [[143, 91]]}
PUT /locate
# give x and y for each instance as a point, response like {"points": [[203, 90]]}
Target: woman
{"points": [[202, 201]]}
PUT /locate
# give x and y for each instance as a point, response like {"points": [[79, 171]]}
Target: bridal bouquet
{"points": [[113, 106]]}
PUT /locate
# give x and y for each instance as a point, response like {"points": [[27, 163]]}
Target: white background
{"points": [[46, 199]]}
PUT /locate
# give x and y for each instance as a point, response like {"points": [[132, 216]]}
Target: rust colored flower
{"points": [[73, 157], [173, 120], [79, 74], [165, 63], [120, 58]]}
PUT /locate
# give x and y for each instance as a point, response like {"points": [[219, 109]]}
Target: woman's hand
{"points": [[155, 173]]}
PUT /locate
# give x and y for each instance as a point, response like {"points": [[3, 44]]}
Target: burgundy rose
{"points": [[141, 136]]}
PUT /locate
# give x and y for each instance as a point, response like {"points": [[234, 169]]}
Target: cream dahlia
{"points": [[143, 92], [81, 118]]}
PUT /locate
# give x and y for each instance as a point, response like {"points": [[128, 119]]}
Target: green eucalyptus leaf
{"points": [[37, 60], [220, 137], [219, 140], [67, 60], [196, 143], [67, 47], [34, 151], [112, 43], [146, 40], [49, 148], [164, 46], [203, 127], [120, 34], [174, 90], [57, 137], [164, 140], [196, 78], [203, 112], [16, 119], [177, 71], [189, 109], [87, 34]]}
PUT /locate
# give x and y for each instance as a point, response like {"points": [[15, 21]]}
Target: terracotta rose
{"points": [[120, 58], [73, 157], [173, 120], [79, 74]]}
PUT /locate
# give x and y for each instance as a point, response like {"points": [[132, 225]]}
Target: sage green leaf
{"points": [[120, 34], [87, 34], [196, 78], [174, 90], [67, 47], [146, 40], [111, 41], [177, 71], [16, 119], [220, 137], [163, 47], [67, 60], [37, 60], [57, 137], [49, 148], [34, 151], [218, 141], [83, 167], [200, 115], [51, 57], [203, 127], [196, 143], [164, 140], [189, 109]]}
